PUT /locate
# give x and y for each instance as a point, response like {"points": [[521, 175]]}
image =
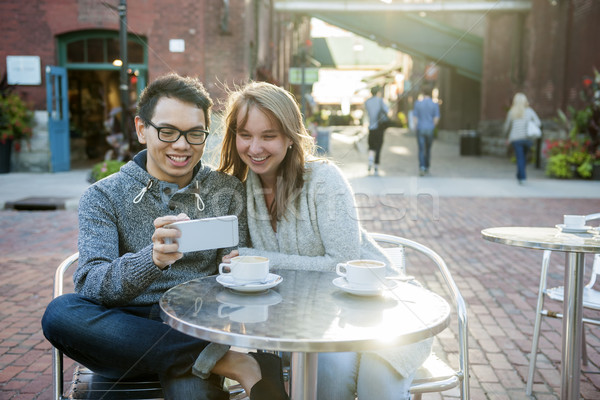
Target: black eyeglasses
{"points": [[171, 135]]}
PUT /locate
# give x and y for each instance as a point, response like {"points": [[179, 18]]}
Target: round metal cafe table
{"points": [[305, 314], [575, 245]]}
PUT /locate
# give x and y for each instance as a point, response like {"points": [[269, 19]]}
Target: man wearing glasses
{"points": [[111, 324]]}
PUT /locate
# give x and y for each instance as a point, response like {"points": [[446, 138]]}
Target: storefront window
{"points": [[103, 50], [95, 50], [135, 53], [112, 49], [75, 52]]}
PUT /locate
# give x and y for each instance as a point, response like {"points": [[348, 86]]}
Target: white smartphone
{"points": [[207, 233]]}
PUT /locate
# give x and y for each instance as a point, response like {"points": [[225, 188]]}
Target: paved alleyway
{"points": [[499, 282]]}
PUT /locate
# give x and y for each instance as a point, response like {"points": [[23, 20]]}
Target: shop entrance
{"points": [[95, 109], [93, 70]]}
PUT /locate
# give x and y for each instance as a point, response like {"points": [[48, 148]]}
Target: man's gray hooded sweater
{"points": [[116, 218]]}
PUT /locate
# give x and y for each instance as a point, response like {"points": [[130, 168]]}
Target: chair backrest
{"points": [[595, 271], [459, 303], [546, 263], [596, 265], [57, 356]]}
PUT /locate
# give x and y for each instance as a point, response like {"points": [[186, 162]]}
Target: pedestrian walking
{"points": [[516, 127], [426, 115], [377, 111]]}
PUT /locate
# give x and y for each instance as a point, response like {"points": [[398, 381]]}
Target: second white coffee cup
{"points": [[574, 221], [363, 273], [246, 269]]}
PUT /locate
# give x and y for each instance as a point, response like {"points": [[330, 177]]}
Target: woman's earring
{"points": [[290, 146]]}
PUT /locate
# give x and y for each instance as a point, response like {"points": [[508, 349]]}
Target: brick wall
{"points": [[543, 53], [220, 43], [209, 53], [227, 59]]}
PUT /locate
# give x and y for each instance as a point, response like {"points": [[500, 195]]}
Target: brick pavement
{"points": [[499, 284]]}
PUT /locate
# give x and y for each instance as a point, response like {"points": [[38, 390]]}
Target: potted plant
{"points": [[578, 154], [16, 124], [568, 158], [103, 169]]}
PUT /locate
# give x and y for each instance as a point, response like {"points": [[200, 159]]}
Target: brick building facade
{"points": [[545, 53], [225, 42]]}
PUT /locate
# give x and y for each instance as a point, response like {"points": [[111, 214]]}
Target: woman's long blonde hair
{"points": [[519, 105], [283, 111]]}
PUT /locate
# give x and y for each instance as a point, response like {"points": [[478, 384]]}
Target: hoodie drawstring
{"points": [[198, 198], [199, 203], [141, 194]]}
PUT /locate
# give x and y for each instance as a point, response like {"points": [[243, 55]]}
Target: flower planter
{"points": [[5, 152]]}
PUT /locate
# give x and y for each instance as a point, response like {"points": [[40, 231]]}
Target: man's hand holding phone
{"points": [[174, 236], [165, 249]]}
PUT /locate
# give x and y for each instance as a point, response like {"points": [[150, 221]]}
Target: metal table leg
{"points": [[572, 326], [304, 376]]}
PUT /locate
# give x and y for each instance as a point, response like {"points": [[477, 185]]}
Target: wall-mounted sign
{"points": [[23, 70], [431, 72], [176, 45], [311, 75]]}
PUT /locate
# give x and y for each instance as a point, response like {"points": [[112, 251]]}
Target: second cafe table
{"points": [[575, 246], [305, 314]]}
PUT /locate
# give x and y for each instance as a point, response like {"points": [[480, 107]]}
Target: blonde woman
{"points": [[302, 216], [515, 126]]}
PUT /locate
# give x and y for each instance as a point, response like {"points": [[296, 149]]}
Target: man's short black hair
{"points": [[174, 86], [426, 90], [375, 90]]}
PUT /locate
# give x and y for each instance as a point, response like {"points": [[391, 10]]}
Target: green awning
{"points": [[415, 36], [341, 52], [398, 24]]}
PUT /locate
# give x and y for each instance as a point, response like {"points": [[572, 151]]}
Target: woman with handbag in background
{"points": [[522, 125]]}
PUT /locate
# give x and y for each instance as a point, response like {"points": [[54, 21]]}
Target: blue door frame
{"points": [[57, 104]]}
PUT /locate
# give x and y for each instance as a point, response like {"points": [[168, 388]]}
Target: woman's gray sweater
{"points": [[116, 218], [319, 231]]}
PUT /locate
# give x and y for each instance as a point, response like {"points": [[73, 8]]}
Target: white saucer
{"points": [[583, 229], [343, 284], [271, 281]]}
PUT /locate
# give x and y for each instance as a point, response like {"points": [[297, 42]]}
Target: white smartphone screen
{"points": [[207, 233]]}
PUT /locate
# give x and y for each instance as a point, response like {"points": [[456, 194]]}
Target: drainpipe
{"points": [[567, 50], [124, 81]]}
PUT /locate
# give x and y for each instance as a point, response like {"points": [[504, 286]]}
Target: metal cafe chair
{"points": [[88, 385], [591, 300], [434, 375]]}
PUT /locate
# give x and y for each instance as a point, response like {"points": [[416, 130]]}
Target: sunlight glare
{"points": [[400, 150]]}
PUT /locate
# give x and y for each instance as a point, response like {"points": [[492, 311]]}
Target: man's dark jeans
{"points": [[119, 342]]}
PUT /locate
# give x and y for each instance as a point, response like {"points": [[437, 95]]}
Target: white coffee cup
{"points": [[574, 221], [246, 269], [363, 273]]}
